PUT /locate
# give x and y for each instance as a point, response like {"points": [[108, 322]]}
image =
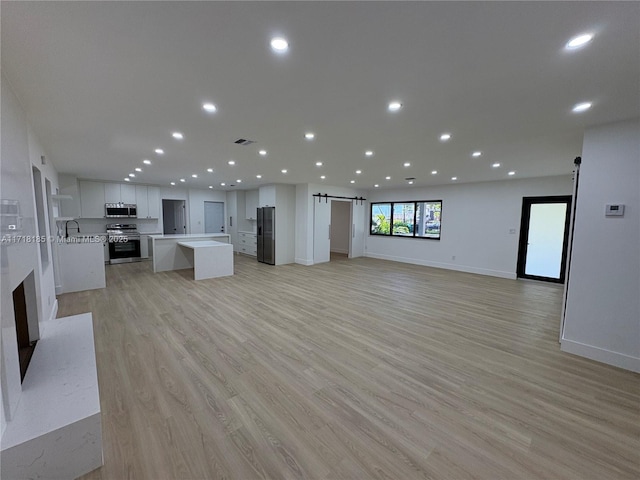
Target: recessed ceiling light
{"points": [[279, 44], [581, 107], [127, 179], [579, 41], [410, 182], [284, 170], [352, 181], [210, 186], [454, 178], [231, 162], [394, 106], [445, 137], [407, 164], [172, 183], [322, 177], [222, 184], [476, 154], [309, 135], [177, 135], [495, 165], [511, 173], [195, 175], [434, 172], [138, 169], [358, 172], [239, 180], [132, 175], [387, 178], [210, 170], [182, 180], [159, 151], [209, 107], [258, 176], [376, 185], [318, 164], [262, 152], [369, 153], [146, 162]]}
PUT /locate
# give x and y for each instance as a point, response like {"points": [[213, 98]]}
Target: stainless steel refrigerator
{"points": [[267, 235]]}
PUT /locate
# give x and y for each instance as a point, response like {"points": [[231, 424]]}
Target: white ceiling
{"points": [[105, 83]]}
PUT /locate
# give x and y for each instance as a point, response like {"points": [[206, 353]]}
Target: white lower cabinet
{"points": [[247, 243]]}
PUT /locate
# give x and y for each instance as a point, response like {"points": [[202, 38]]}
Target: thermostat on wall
{"points": [[616, 210]]}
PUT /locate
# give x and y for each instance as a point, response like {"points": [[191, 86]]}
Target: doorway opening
{"points": [[213, 217], [173, 217], [337, 230], [339, 237], [544, 238]]}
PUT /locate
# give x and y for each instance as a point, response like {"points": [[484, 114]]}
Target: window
{"points": [[404, 219], [416, 219], [428, 219], [380, 218]]}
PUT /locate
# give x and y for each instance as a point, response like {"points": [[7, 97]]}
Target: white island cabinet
{"points": [[81, 265], [168, 255]]}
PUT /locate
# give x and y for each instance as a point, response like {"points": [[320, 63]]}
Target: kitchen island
{"points": [[169, 255]]}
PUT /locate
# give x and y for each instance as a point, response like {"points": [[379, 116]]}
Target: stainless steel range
{"points": [[124, 243]]}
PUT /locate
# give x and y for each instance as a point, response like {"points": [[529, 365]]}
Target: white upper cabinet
{"points": [[251, 204], [147, 200], [127, 193], [92, 199], [111, 193], [142, 201], [153, 196], [119, 193]]}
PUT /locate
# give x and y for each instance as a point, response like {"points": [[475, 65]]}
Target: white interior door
{"points": [[321, 231], [213, 217], [356, 247]]}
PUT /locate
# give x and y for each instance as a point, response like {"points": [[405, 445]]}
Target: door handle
{"points": [[329, 232], [353, 230]]}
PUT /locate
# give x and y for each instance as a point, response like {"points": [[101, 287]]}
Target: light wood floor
{"points": [[354, 369]]}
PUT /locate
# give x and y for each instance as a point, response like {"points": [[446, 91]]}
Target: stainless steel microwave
{"points": [[120, 210]]}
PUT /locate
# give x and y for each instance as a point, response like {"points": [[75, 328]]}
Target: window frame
{"points": [[415, 213]]}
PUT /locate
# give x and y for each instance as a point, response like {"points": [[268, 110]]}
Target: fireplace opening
{"points": [[26, 346]]}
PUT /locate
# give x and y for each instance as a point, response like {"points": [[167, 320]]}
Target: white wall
{"points": [[340, 226], [304, 225], [285, 224], [196, 206], [602, 319], [18, 148], [477, 221]]}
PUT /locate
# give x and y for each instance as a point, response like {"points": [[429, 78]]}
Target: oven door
{"points": [[122, 252]]}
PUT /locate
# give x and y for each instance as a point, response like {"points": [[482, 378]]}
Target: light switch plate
{"points": [[614, 210]]}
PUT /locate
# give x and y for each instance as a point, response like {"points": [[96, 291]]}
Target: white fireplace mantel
{"points": [[56, 431]]}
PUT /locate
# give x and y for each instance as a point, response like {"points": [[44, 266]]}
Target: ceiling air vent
{"points": [[408, 179], [244, 141]]}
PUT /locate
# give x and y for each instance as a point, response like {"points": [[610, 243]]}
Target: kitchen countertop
{"points": [[175, 236]]}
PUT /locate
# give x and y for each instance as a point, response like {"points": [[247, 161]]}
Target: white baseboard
{"points": [[448, 266], [338, 250], [601, 355], [304, 261], [54, 310]]}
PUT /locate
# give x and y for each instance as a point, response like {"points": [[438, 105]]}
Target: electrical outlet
{"points": [[453, 257], [512, 231]]}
